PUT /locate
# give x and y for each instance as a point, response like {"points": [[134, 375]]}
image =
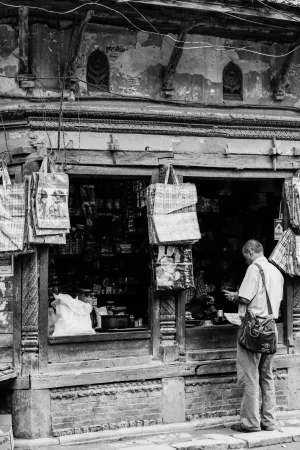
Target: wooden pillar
{"points": [[180, 324], [30, 314], [289, 289], [169, 349]]}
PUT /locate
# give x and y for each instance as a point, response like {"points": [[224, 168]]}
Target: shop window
{"points": [[106, 260], [97, 71], [230, 213], [232, 82]]}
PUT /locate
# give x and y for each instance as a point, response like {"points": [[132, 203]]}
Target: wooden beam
{"points": [[282, 78], [202, 6], [43, 305], [167, 86], [191, 159], [23, 39]]}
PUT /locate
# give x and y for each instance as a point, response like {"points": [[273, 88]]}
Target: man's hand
{"points": [[231, 296]]}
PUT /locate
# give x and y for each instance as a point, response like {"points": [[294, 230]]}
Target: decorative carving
{"points": [[281, 374], [236, 130], [208, 415], [167, 319], [30, 308], [210, 381], [296, 320], [167, 85], [232, 82], [282, 78], [107, 426], [106, 389], [97, 71], [296, 303]]}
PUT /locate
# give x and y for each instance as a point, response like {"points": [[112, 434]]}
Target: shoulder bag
{"points": [[259, 335]]}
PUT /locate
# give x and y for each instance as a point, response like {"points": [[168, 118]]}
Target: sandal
{"points": [[239, 427]]}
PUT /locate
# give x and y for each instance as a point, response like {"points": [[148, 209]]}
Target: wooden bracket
{"points": [[167, 85], [25, 78], [23, 39], [274, 153], [76, 54], [113, 147], [282, 78]]}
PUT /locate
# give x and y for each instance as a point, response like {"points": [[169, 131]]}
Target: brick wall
{"points": [[282, 388], [211, 397], [106, 407], [220, 396]]}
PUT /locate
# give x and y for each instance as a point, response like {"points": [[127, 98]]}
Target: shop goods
{"points": [[173, 267], [40, 206], [52, 199], [292, 195], [285, 253], [72, 316], [258, 335], [171, 210], [12, 214]]}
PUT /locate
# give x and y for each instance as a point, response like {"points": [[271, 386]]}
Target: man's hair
{"points": [[253, 245]]}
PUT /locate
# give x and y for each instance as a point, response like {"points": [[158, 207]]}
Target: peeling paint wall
{"points": [[9, 60], [138, 61]]}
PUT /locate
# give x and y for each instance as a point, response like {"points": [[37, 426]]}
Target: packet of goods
{"points": [[102, 311], [233, 318]]}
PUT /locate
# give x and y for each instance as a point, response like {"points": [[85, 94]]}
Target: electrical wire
{"points": [[127, 2], [166, 36]]}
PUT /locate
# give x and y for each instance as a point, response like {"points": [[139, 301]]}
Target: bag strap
{"points": [[175, 180], [270, 311], [44, 165]]}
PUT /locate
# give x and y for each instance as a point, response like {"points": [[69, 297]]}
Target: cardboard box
{"points": [[6, 434]]}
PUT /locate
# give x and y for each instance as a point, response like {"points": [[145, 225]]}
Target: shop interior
{"points": [[107, 261], [229, 214]]}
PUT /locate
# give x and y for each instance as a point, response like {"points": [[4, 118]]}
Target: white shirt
{"points": [[252, 288]]}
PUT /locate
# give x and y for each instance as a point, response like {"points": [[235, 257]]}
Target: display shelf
{"points": [[116, 335]]}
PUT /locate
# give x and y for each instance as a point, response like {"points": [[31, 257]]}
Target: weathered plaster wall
{"points": [[138, 60], [9, 60]]}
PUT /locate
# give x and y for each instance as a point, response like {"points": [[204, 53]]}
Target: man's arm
{"points": [[235, 298]]}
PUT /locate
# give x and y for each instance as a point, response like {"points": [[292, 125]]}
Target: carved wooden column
{"points": [[296, 308], [282, 78], [168, 343], [167, 86], [30, 313]]}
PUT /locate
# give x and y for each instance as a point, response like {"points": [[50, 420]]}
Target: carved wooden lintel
{"points": [[282, 78], [167, 86], [77, 47]]}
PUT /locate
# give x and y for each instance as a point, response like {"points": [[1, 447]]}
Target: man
{"points": [[254, 370]]}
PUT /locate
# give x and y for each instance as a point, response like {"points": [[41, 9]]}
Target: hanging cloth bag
{"points": [[52, 198], [12, 214], [172, 211], [259, 335]]}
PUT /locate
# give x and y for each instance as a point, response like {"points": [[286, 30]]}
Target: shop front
{"points": [[146, 356]]}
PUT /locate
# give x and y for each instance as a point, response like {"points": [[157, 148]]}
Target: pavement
{"points": [[178, 437]]}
